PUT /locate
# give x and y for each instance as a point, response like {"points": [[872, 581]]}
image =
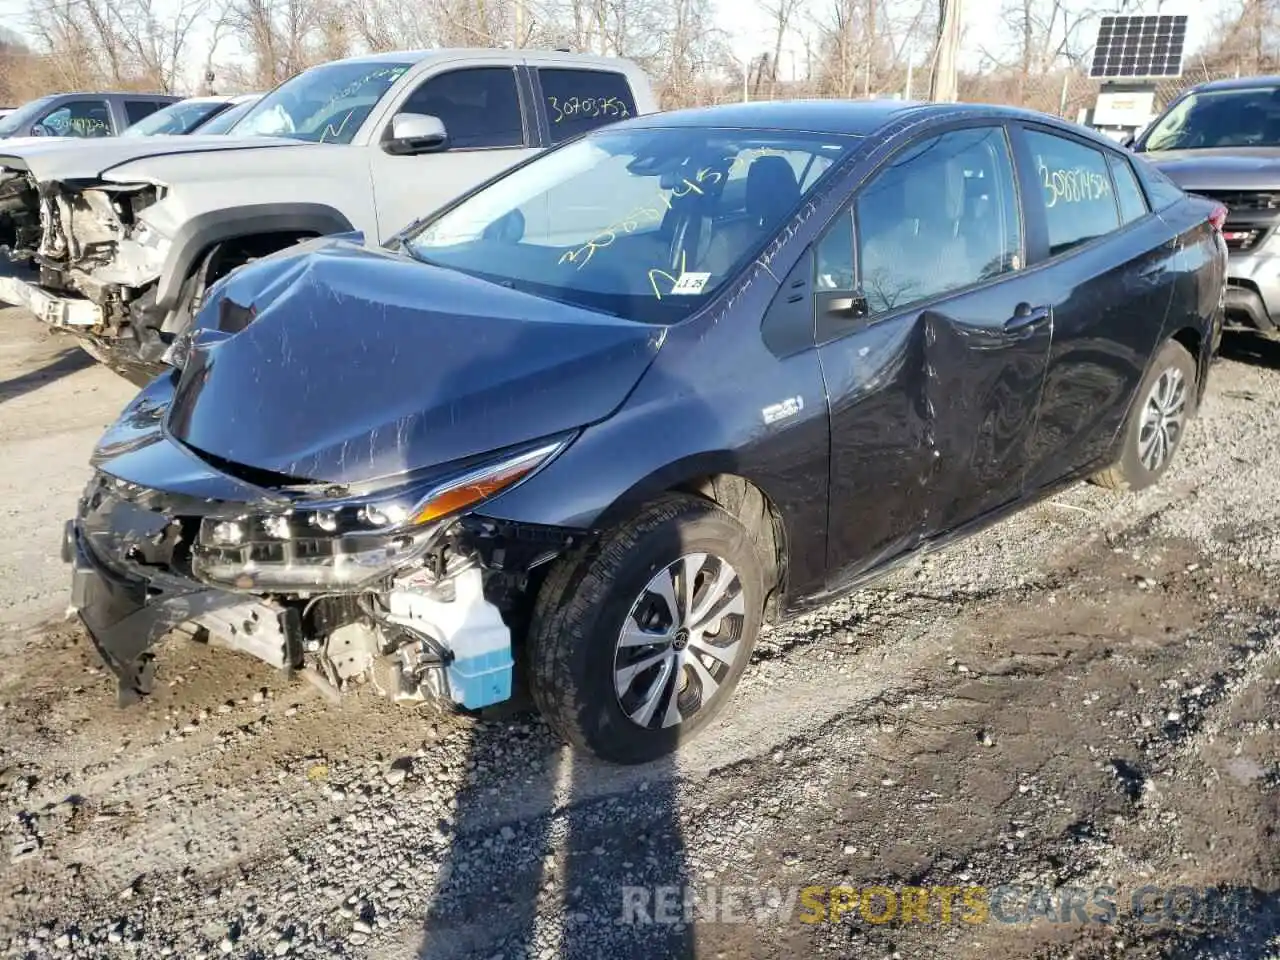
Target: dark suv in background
{"points": [[81, 114], [1222, 140]]}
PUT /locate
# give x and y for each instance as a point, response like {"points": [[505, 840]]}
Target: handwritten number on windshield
{"points": [[588, 107], [628, 224]]}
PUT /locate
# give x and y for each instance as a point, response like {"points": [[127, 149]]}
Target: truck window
{"points": [[135, 110], [79, 118], [580, 100], [479, 106]]}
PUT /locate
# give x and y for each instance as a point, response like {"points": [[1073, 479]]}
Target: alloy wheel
{"points": [[680, 641], [1164, 413]]}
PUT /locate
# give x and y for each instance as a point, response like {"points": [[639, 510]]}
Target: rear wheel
{"points": [[639, 644], [1153, 432]]}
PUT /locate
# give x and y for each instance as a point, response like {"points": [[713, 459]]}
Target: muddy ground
{"points": [[1065, 719]]}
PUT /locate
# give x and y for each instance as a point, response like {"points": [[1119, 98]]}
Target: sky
{"points": [[749, 32]]}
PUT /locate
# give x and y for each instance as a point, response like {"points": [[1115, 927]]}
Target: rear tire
{"points": [[1165, 404], [639, 643]]}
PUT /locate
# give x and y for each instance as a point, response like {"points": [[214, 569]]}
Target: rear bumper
{"points": [[52, 309], [1246, 308]]}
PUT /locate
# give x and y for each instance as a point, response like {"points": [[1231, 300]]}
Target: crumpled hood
{"points": [[360, 364], [80, 159], [1227, 168]]}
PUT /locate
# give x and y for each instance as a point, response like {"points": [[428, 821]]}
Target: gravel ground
{"points": [[1082, 698]]}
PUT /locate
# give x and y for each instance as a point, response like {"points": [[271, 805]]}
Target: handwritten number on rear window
{"points": [[587, 107]]}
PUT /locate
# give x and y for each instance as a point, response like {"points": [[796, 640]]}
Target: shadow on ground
{"points": [[576, 881], [1251, 348], [65, 363]]}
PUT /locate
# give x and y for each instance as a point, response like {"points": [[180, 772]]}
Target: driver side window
{"points": [[479, 106], [80, 118]]}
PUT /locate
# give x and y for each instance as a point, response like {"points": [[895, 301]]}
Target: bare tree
{"points": [[780, 13]]}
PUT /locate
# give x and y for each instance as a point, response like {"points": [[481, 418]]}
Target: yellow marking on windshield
{"points": [[659, 272]]}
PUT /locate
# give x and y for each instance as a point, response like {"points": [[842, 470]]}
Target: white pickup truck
{"points": [[125, 235]]}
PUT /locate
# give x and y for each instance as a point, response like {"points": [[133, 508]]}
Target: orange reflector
{"points": [[470, 492]]}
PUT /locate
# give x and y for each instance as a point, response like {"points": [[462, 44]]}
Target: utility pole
{"points": [[942, 84], [519, 18]]}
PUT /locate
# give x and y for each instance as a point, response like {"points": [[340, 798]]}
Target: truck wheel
{"points": [[638, 644], [1165, 405]]}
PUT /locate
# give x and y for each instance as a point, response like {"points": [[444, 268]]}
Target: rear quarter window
{"points": [[580, 100], [1161, 191]]}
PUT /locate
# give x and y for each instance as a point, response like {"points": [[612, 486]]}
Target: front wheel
{"points": [[638, 644], [1165, 405]]}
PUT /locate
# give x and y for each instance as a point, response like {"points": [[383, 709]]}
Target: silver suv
{"points": [[1222, 140]]}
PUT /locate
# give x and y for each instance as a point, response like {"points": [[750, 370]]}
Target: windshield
{"points": [[644, 224], [1219, 118], [175, 119], [324, 105], [224, 121], [23, 116]]}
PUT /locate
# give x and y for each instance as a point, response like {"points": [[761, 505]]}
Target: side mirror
{"points": [[412, 133]]}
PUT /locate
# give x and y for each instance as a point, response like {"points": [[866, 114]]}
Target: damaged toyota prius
{"points": [[597, 422]]}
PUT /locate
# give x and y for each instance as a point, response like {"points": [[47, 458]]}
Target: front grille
{"points": [[1244, 201]]}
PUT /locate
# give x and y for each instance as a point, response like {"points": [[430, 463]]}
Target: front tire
{"points": [[1165, 405], [638, 644]]}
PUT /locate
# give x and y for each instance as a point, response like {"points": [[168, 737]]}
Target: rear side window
{"points": [[580, 100], [1133, 205], [480, 107], [135, 110], [1080, 205]]}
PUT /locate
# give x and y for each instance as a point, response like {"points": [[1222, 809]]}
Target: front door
{"points": [[488, 132], [933, 348]]}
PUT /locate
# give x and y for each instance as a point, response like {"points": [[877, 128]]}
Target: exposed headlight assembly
{"points": [[343, 545]]}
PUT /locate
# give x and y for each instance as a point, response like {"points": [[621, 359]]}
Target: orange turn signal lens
{"points": [[480, 485]]}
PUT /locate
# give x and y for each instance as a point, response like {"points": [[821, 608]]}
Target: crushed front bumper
{"points": [[126, 612], [50, 308]]}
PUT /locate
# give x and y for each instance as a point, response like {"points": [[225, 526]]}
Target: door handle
{"points": [[1024, 316]]}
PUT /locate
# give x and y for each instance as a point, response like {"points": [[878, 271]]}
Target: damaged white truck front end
{"points": [[118, 242], [93, 255]]}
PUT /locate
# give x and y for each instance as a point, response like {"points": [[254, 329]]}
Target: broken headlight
{"points": [[344, 544]]}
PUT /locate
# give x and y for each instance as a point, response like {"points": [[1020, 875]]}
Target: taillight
{"points": [[1218, 218]]}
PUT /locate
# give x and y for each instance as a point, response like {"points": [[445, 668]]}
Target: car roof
{"points": [[1239, 83], [110, 93], [859, 118], [480, 53]]}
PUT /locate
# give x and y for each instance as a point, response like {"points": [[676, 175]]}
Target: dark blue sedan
{"points": [[607, 414]]}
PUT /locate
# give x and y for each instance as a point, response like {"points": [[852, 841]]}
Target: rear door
{"points": [[1107, 266]]}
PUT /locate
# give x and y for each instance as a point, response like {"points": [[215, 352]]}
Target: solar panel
{"points": [[1134, 46]]}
